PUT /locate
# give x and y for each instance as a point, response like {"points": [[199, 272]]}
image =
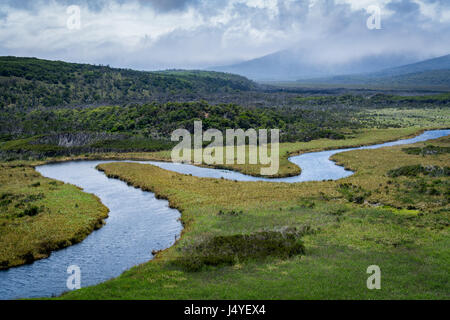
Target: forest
{"points": [[30, 82]]}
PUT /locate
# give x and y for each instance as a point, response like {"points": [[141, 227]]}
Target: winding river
{"points": [[139, 223]]}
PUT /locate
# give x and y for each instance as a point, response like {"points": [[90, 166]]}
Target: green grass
{"points": [[326, 272]]}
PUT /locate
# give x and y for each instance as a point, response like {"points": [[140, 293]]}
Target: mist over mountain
{"points": [[439, 63], [295, 64], [428, 73]]}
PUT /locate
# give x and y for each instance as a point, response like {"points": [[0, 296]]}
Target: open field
{"points": [[345, 226]]}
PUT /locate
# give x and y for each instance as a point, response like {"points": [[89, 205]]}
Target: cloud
{"points": [[169, 5], [154, 34]]}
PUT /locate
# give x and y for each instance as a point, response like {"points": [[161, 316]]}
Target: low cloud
{"points": [[158, 34]]}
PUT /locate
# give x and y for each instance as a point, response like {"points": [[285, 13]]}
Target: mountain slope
{"points": [[297, 64], [439, 63], [428, 73], [31, 82]]}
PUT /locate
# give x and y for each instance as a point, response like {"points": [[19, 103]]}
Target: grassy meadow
{"points": [[383, 215]]}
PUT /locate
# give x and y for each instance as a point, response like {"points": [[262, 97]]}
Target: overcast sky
{"points": [[160, 34]]}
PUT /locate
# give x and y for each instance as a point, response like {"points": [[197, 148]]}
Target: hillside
{"points": [[296, 64], [31, 82], [439, 63], [432, 73]]}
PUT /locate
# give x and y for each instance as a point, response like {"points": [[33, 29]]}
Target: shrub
{"points": [[227, 250], [353, 193], [31, 211], [233, 213], [428, 150], [415, 170]]}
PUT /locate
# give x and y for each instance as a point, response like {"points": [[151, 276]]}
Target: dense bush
{"points": [[428, 150], [158, 121], [31, 211], [34, 148], [353, 193], [227, 250], [415, 170]]}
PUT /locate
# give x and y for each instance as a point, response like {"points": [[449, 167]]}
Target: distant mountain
{"points": [[428, 73], [439, 63], [31, 82], [296, 64]]}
